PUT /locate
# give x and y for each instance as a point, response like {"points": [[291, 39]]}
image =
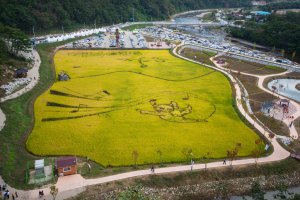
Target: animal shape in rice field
{"points": [[172, 112]]}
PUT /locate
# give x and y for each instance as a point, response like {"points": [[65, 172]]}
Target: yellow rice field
{"points": [[146, 101]]}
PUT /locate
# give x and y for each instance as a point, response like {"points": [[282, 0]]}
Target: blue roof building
{"points": [[262, 13]]}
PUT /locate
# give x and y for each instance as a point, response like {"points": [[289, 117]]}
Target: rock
{"points": [[13, 86]]}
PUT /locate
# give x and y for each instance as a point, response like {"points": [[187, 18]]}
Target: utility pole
{"points": [[62, 27], [132, 14], [95, 24], [33, 32]]}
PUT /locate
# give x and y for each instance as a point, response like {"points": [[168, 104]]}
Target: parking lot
{"points": [[163, 35], [219, 46], [127, 39]]}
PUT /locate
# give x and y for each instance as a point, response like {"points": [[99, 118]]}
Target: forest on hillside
{"points": [[279, 31], [50, 14]]}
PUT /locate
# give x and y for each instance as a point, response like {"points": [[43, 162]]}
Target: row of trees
{"points": [[232, 154], [280, 31], [15, 39], [45, 15], [281, 5]]}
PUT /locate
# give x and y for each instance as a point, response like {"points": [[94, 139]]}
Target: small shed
{"points": [[21, 73], [63, 76], [66, 166], [39, 168], [284, 103]]}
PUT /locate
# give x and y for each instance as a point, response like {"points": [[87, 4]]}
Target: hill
{"points": [[51, 14]]}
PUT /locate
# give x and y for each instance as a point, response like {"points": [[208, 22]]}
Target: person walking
{"points": [[224, 162], [291, 124], [7, 194], [152, 169]]}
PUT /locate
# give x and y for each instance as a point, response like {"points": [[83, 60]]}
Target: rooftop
{"points": [[65, 161], [260, 13]]}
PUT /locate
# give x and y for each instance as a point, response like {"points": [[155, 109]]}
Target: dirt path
{"points": [[33, 74], [2, 119]]}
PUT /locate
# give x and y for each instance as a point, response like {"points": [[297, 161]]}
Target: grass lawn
{"points": [[209, 17], [143, 101], [201, 56], [251, 67]]}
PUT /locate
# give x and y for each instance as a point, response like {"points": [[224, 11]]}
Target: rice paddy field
{"points": [[117, 102]]}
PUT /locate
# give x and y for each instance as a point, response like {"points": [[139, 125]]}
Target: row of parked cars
{"points": [[90, 42], [169, 34]]}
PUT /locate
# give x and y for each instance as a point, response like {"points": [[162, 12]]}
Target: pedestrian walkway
{"points": [[2, 119], [70, 185], [261, 78], [32, 74]]}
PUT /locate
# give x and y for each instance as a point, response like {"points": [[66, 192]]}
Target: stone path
{"points": [[71, 185]]}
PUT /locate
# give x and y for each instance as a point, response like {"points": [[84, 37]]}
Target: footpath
{"points": [[32, 74]]}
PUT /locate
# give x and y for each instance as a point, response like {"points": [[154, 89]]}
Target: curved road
{"points": [[71, 185]]}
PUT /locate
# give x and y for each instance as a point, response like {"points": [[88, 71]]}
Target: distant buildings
{"points": [[285, 11], [260, 13], [259, 3]]}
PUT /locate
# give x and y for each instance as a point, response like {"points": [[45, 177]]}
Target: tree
{"points": [[16, 39], [53, 191], [257, 152], [135, 155], [188, 153], [232, 154], [281, 31], [205, 157], [257, 192]]}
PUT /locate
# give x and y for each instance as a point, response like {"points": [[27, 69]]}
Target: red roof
{"points": [[65, 162]]}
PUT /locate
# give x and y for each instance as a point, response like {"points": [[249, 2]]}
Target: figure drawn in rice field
{"points": [[172, 112]]}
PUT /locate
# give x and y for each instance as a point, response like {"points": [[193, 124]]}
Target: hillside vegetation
{"points": [[280, 31], [50, 14]]}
